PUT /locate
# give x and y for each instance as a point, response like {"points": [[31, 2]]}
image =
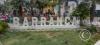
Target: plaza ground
{"points": [[68, 37]]}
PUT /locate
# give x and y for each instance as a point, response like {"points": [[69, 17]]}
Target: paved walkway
{"points": [[97, 43]]}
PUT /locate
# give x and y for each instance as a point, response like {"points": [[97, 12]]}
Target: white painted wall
{"points": [[97, 6], [72, 5], [62, 10]]}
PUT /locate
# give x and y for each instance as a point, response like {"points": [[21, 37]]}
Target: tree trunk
{"points": [[20, 8], [20, 11], [81, 21], [31, 5], [92, 11]]}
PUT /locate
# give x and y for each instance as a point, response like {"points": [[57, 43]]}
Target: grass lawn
{"points": [[44, 38]]}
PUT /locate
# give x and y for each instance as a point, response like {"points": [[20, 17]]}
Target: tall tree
{"points": [[82, 11], [17, 7], [41, 4]]}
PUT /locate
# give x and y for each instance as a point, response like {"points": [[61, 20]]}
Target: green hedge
{"points": [[3, 26]]}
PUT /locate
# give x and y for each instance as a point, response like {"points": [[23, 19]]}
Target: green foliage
{"points": [[3, 26], [15, 4], [82, 10], [6, 6], [41, 4], [11, 5], [92, 29], [43, 38]]}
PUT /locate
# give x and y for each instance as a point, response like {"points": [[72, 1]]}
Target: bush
{"points": [[92, 29], [3, 26]]}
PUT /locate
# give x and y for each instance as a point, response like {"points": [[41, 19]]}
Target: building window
{"points": [[97, 13]]}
